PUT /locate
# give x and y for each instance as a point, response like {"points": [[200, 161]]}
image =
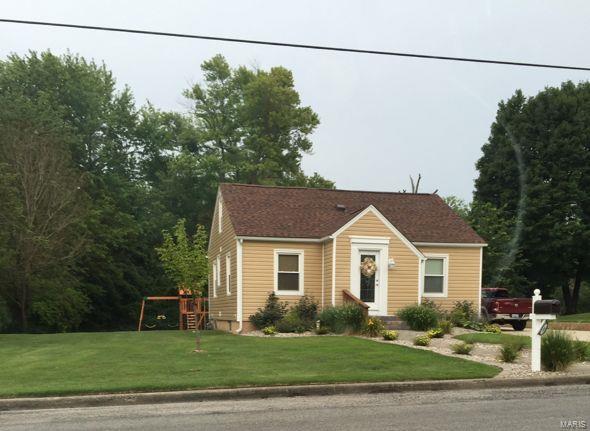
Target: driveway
{"points": [[521, 409], [578, 335]]}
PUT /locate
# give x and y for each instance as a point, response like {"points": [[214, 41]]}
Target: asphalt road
{"points": [[495, 409]]}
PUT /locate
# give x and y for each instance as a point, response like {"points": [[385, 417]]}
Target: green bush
{"points": [[292, 323], [373, 327], [581, 350], [463, 313], [269, 330], [419, 317], [557, 351], [462, 348], [493, 328], [422, 340], [446, 326], [390, 335], [510, 351], [307, 311], [273, 311], [321, 331], [343, 318], [435, 333]]}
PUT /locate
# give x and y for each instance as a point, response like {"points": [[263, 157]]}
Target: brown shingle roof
{"points": [[298, 212]]}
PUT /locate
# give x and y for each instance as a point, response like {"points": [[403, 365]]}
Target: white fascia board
{"points": [[281, 239], [449, 244]]}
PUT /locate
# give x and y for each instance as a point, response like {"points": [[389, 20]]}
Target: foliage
{"points": [[446, 326], [436, 333], [534, 172], [390, 335], [307, 311], [458, 205], [462, 348], [269, 330], [117, 176], [493, 328], [422, 340], [581, 350], [184, 258], [557, 351], [463, 313], [489, 338], [292, 322], [321, 331], [273, 311], [419, 317], [5, 318], [342, 318], [373, 327], [509, 352]]}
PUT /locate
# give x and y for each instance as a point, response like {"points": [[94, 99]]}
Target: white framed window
{"points": [[228, 274], [220, 216], [288, 272], [217, 276], [214, 277], [436, 275]]}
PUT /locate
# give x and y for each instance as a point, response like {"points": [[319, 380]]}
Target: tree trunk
{"points": [[567, 297], [576, 292]]}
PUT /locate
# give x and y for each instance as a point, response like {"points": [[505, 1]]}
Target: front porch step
{"points": [[393, 322]]}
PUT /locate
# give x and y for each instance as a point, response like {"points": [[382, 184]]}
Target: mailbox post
{"points": [[542, 311]]}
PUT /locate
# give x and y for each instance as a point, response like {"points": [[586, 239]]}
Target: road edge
{"points": [[122, 399]]}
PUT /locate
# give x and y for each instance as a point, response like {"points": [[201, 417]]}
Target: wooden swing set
{"points": [[193, 313]]}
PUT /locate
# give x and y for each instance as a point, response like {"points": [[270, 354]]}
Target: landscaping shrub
{"points": [[440, 313], [557, 351], [422, 340], [419, 317], [343, 318], [307, 311], [373, 327], [435, 333], [510, 351], [321, 331], [273, 311], [446, 326], [463, 313], [493, 328], [462, 348], [292, 323], [390, 335], [581, 350], [269, 330]]}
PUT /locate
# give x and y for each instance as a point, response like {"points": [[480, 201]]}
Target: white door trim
{"points": [[379, 307]]}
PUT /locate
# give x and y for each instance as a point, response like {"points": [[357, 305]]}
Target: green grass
{"points": [[59, 364], [578, 318], [488, 338]]}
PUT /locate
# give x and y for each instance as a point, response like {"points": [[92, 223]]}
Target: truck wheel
{"points": [[519, 325]]}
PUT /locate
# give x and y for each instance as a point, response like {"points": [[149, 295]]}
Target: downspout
{"points": [[323, 274], [239, 316]]}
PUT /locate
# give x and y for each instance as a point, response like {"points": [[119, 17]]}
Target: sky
{"points": [[382, 118]]}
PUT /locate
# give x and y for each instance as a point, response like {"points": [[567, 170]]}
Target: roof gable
{"points": [[297, 212]]}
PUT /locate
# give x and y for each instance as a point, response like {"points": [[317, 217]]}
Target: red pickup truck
{"points": [[498, 307]]}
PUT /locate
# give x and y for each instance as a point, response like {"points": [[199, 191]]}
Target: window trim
{"points": [[445, 275], [214, 276], [217, 276], [220, 216], [228, 274], [301, 264]]}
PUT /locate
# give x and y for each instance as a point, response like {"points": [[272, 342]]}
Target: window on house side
{"points": [[214, 275], [434, 276], [289, 272], [228, 274]]}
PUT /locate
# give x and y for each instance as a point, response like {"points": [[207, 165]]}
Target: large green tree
{"points": [[535, 174]]}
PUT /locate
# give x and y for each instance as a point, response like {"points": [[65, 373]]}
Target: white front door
{"points": [[370, 288]]}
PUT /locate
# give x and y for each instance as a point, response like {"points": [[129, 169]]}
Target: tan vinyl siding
{"points": [[327, 285], [463, 272], [224, 306], [258, 272], [402, 279]]}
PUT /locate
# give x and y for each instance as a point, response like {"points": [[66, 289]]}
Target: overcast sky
{"points": [[382, 118]]}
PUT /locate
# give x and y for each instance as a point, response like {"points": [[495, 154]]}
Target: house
{"points": [[300, 241]]}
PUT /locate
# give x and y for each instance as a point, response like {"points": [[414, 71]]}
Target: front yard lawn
{"points": [[488, 338], [578, 318], [58, 364]]}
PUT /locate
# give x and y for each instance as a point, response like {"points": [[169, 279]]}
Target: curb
{"points": [[123, 399]]}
